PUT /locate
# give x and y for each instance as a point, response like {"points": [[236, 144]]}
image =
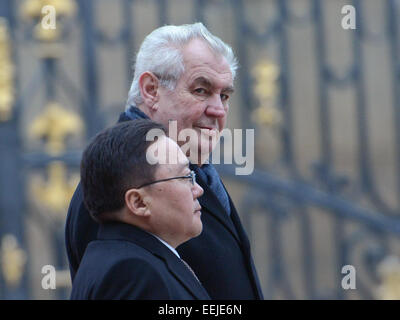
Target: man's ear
{"points": [[134, 200], [148, 85]]}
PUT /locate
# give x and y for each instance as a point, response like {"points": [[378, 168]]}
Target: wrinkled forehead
{"points": [[197, 54]]}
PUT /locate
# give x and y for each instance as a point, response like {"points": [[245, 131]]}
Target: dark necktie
{"points": [[191, 270], [211, 176]]}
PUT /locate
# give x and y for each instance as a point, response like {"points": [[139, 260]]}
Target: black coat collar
{"points": [[123, 231], [132, 113]]}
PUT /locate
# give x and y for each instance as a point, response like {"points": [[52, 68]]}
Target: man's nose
{"points": [[215, 107], [198, 191]]}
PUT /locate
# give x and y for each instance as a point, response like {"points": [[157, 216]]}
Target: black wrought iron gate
{"points": [[324, 102]]}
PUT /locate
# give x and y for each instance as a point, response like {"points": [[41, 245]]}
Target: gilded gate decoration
{"points": [[265, 89], [55, 124], [32, 10], [6, 73], [324, 103], [13, 260]]}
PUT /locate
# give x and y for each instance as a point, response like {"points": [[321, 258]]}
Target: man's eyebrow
{"points": [[208, 83], [203, 81], [229, 89]]}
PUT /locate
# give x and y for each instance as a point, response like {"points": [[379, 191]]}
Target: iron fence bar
{"points": [[371, 260], [363, 145], [40, 160], [285, 101], [60, 259], [198, 11], [91, 109], [393, 27], [367, 182], [12, 183], [247, 99], [324, 106], [49, 76], [276, 277], [129, 40], [325, 165], [67, 85], [308, 254], [279, 272], [306, 193], [162, 12]]}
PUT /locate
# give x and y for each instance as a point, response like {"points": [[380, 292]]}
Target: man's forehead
{"points": [[197, 53]]}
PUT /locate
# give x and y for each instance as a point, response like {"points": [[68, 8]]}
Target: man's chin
{"points": [[199, 229]]}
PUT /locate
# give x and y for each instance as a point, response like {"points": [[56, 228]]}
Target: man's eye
{"points": [[200, 91], [224, 97]]}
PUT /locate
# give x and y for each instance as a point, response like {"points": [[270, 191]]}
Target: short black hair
{"points": [[114, 162]]}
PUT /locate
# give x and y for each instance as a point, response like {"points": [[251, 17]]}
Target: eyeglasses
{"points": [[191, 176]]}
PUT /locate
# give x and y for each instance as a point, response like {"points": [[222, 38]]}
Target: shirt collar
{"points": [[167, 245], [134, 112]]}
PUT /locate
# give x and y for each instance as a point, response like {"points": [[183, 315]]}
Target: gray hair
{"points": [[160, 53]]}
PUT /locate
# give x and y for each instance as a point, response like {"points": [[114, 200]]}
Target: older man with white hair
{"points": [[184, 77]]}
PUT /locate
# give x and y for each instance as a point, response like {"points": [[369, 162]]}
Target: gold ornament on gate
{"points": [[389, 271], [13, 260], [54, 125], [41, 9], [266, 75], [56, 192], [7, 91]]}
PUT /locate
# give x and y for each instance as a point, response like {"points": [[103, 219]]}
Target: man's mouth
{"points": [[197, 210], [209, 130]]}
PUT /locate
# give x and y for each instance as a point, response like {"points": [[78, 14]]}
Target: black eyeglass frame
{"points": [[191, 176]]}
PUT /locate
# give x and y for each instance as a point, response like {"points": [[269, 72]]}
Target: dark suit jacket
{"points": [[220, 256], [126, 262]]}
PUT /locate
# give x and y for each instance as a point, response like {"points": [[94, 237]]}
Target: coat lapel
{"points": [[147, 241], [185, 276]]}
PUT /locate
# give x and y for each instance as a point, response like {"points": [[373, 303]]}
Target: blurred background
{"points": [[324, 102]]}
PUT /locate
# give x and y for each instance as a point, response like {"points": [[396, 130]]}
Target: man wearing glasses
{"points": [[144, 210]]}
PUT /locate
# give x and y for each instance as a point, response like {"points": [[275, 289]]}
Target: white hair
{"points": [[160, 54]]}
